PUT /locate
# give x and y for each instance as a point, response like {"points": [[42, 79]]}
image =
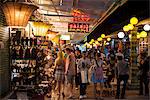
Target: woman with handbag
{"points": [[97, 76]]}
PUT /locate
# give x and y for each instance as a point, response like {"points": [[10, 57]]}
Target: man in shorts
{"points": [[70, 70]]}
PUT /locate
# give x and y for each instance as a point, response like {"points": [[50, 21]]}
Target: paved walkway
{"points": [[130, 95]]}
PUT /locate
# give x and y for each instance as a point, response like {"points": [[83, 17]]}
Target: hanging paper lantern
{"points": [[121, 34], [40, 28], [108, 39], [146, 27], [96, 42], [133, 20], [138, 36], [103, 35], [92, 40], [17, 14], [99, 39], [125, 28], [94, 45], [143, 34], [130, 26]]}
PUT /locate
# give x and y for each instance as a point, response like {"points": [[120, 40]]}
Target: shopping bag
{"points": [[84, 77]]}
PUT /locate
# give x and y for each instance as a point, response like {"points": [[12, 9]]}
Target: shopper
{"points": [[70, 70], [78, 56], [119, 53], [60, 71], [144, 70], [110, 75], [122, 75], [97, 76], [102, 55], [84, 65]]}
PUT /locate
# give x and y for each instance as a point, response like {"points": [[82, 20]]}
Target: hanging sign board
{"points": [[78, 27]]}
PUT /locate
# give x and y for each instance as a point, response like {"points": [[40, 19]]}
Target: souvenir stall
{"points": [[31, 64]]}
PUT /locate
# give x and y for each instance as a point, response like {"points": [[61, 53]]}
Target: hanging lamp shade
{"points": [[17, 14], [40, 28]]}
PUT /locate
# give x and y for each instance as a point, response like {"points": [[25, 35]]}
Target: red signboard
{"points": [[78, 27], [79, 16]]}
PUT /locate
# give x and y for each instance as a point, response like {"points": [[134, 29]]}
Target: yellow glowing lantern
{"points": [[92, 40], [40, 28], [121, 35], [94, 45], [17, 14], [103, 35], [108, 39], [133, 20], [96, 42], [130, 26], [99, 39], [125, 28], [143, 34], [138, 36]]}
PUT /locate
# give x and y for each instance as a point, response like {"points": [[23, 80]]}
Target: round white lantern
{"points": [[121, 35]]}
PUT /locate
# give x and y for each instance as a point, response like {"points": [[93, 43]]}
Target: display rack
{"points": [[23, 53]]}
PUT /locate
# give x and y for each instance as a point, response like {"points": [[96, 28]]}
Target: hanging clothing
{"points": [[33, 53], [21, 53], [27, 53]]}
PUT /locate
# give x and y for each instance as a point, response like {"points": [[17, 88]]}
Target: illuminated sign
{"points": [[65, 37], [80, 16], [78, 27]]}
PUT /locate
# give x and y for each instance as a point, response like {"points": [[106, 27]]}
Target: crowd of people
{"points": [[76, 70]]}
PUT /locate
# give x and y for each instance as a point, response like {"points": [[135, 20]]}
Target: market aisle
{"points": [[130, 95]]}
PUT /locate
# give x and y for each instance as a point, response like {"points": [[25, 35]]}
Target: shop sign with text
{"points": [[78, 27]]}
